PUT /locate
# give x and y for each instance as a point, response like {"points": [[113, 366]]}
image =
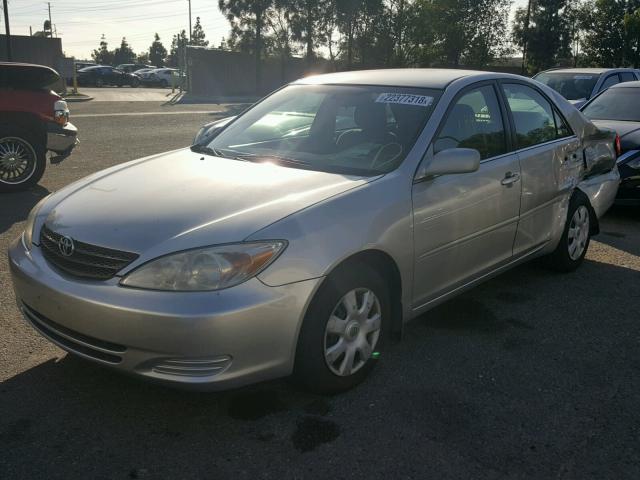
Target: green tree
{"points": [[157, 52], [197, 36], [102, 55], [248, 19], [607, 41], [549, 34], [456, 32], [308, 19], [124, 53], [178, 44], [143, 58], [632, 31]]}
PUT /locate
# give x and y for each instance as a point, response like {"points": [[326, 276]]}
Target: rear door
{"points": [[465, 224], [549, 159]]}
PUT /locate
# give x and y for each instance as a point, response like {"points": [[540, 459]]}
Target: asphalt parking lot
{"points": [[533, 375]]}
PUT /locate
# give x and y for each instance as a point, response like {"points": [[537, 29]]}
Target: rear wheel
{"points": [[22, 159], [576, 237], [343, 331]]}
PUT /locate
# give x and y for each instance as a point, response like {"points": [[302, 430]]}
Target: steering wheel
{"points": [[377, 162]]}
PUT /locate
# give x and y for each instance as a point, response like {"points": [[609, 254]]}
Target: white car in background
{"points": [[164, 77]]}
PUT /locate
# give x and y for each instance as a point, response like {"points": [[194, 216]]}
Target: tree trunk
{"points": [[258, 52], [309, 39], [350, 46]]}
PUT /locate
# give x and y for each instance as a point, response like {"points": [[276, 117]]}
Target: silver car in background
{"points": [[299, 236]]}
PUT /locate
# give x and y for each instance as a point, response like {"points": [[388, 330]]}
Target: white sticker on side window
{"points": [[405, 99]]}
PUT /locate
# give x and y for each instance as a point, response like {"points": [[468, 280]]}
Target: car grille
{"points": [[87, 261], [74, 341]]}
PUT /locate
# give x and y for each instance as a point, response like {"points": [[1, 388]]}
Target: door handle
{"points": [[510, 178]]}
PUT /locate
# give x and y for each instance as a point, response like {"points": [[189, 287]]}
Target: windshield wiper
{"points": [[278, 158], [207, 150]]}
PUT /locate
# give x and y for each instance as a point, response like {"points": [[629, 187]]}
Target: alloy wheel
{"points": [[18, 160], [352, 332], [578, 233]]}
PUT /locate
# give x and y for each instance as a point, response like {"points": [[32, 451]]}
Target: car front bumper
{"points": [[201, 340], [61, 140]]}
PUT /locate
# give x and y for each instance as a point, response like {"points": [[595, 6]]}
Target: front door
{"points": [[465, 224]]}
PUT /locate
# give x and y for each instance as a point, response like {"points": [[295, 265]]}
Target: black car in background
{"points": [[618, 108], [102, 75]]}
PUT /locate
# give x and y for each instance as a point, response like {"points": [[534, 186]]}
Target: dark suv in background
{"points": [[578, 85]]}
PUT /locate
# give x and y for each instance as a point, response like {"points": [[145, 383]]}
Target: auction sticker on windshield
{"points": [[405, 99]]}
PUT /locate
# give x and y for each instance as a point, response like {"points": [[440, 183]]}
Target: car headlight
{"points": [[27, 235], [206, 269]]}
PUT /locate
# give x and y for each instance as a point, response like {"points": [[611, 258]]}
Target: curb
{"points": [[83, 98]]}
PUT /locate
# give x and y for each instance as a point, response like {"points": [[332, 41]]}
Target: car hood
{"points": [[629, 132], [181, 200]]}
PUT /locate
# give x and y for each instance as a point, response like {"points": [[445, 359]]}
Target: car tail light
{"points": [[618, 146]]}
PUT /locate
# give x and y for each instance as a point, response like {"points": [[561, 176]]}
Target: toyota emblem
{"points": [[66, 246]]}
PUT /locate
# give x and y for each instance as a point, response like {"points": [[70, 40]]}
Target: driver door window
{"points": [[474, 121]]}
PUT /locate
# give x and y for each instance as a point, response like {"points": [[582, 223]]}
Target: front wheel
{"points": [[576, 237], [22, 159], [343, 331]]}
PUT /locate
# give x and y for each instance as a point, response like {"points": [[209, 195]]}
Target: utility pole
{"points": [[6, 28], [526, 37], [189, 21], [50, 23]]}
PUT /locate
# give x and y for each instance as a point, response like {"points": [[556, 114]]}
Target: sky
{"points": [[81, 23]]}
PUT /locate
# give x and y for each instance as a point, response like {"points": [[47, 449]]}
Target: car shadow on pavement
{"points": [[16, 206], [530, 375]]}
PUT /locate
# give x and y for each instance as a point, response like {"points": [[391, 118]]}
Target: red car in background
{"points": [[34, 121]]}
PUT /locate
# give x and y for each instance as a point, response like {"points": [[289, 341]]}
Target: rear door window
{"points": [[533, 115], [627, 77]]}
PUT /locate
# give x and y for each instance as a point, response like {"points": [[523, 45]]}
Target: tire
{"points": [[22, 159], [313, 369], [576, 237], [135, 83]]}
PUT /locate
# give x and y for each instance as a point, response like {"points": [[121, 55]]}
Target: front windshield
{"points": [[360, 130], [615, 104], [572, 86]]}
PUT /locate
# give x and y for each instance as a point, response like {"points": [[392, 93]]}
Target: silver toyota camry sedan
{"points": [[298, 237]]}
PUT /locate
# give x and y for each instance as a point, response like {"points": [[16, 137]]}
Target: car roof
{"points": [[587, 70], [635, 84], [398, 77]]}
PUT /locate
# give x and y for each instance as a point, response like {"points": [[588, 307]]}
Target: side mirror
{"points": [[450, 161]]}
